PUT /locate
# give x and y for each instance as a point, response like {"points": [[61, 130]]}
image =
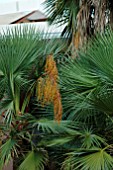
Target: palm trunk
{"points": [[91, 19], [111, 12], [100, 15], [83, 23]]}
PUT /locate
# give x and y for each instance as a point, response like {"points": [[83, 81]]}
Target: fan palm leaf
{"points": [[35, 160], [7, 150], [87, 82], [63, 13], [19, 51], [95, 159]]}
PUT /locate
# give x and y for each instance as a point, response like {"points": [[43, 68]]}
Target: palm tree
{"points": [[24, 130], [82, 18], [19, 54], [87, 93], [29, 134]]}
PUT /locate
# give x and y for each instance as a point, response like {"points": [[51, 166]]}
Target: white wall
{"points": [[42, 26]]}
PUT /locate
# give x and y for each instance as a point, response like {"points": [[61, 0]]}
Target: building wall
{"points": [[52, 30]]}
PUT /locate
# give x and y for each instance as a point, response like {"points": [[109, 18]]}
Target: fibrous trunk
{"points": [[92, 17]]}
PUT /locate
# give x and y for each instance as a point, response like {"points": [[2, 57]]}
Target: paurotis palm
{"points": [[19, 53], [22, 57], [28, 139], [21, 133], [79, 141], [87, 86]]}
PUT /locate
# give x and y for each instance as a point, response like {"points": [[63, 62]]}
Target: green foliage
{"points": [[87, 82], [35, 160], [63, 13], [19, 50], [86, 87], [19, 56], [83, 139], [6, 151], [97, 159]]}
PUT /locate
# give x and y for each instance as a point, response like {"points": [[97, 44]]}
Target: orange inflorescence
{"points": [[48, 91]]}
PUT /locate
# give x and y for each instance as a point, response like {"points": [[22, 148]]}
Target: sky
{"points": [[10, 6]]}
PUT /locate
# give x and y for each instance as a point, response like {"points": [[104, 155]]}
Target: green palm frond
{"points": [[87, 82], [51, 126], [77, 138], [35, 160], [63, 13], [89, 139], [19, 52], [95, 159], [61, 141], [6, 151], [17, 46]]}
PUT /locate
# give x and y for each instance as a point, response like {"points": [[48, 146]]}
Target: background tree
{"points": [[83, 18]]}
